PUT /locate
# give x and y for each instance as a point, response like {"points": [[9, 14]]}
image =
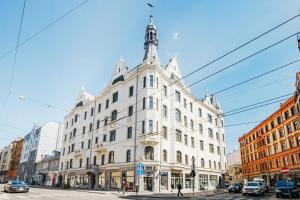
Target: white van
{"points": [[261, 180]]}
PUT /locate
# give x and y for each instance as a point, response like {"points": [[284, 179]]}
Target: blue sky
{"points": [[82, 49]]}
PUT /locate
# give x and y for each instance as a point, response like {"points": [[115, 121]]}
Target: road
{"points": [[48, 194]]}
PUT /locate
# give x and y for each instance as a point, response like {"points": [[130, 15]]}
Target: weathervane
{"points": [[151, 6]]}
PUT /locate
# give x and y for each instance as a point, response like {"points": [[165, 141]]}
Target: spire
{"points": [[151, 42]]}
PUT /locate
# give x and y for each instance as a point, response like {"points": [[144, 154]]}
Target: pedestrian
{"points": [[179, 187], [124, 187], [119, 187]]}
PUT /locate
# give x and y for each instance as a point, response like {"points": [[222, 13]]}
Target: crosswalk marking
{"points": [[36, 196]]}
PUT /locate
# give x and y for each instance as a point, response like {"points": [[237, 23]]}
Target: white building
{"points": [[40, 141], [234, 158], [144, 115]]}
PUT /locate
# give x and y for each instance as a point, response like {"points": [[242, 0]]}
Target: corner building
{"points": [[147, 115], [274, 144]]}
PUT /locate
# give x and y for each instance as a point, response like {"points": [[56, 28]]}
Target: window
{"points": [[217, 136], [201, 145], [186, 160], [289, 128], [199, 112], [277, 163], [150, 126], [143, 126], [112, 136], [209, 117], [99, 107], [105, 121], [89, 144], [294, 159], [92, 111], [115, 97], [285, 161], [178, 135], [279, 120], [144, 103], [130, 111], [165, 133], [178, 115], [104, 138], [272, 124], [91, 127], [293, 110], [177, 96], [165, 155], [96, 140], [74, 132], [98, 124], [95, 160], [280, 133], [218, 150], [185, 120], [192, 124], [192, 142], [111, 157], [185, 140], [165, 111], [210, 133], [128, 155], [82, 145], [85, 114], [291, 143], [209, 163], [200, 128], [149, 153], [107, 104], [71, 163], [72, 147], [202, 162], [131, 91], [150, 106], [286, 115], [151, 80], [80, 162], [157, 104], [211, 148], [165, 90], [184, 103], [129, 132], [67, 124], [191, 106], [178, 157], [295, 123], [76, 118], [83, 130], [114, 115], [103, 159], [144, 82], [274, 136]]}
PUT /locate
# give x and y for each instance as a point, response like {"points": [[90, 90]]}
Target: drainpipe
{"points": [[135, 131]]}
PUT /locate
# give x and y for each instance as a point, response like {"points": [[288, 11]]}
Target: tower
{"points": [[151, 42]]}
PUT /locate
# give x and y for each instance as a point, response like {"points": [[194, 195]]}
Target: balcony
{"points": [[100, 148], [150, 139]]}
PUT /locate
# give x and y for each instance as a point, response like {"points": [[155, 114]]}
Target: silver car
{"points": [[254, 188]]}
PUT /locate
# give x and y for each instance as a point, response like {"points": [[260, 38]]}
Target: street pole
{"points": [[135, 133]]}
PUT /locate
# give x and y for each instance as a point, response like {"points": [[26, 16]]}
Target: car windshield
{"points": [[252, 184], [284, 183], [17, 183], [236, 184]]}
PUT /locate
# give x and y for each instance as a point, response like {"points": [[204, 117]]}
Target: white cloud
{"points": [[175, 36]]}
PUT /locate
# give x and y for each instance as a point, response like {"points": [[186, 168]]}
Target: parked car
{"points": [[286, 188], [16, 186], [236, 187], [254, 188], [261, 180]]}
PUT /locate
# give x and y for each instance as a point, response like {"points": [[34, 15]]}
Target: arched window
{"points": [[178, 157], [165, 156], [95, 160], [103, 159], [111, 157], [149, 153], [128, 155]]}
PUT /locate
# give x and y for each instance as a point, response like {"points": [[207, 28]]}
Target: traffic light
{"points": [[193, 173]]}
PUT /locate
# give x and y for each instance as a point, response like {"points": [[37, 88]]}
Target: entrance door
{"points": [[148, 183]]}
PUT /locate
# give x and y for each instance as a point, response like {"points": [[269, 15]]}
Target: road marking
{"points": [[229, 198], [59, 195], [239, 198], [4, 196], [36, 196], [21, 197]]}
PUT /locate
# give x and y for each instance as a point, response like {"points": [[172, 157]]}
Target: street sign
{"points": [[284, 170], [140, 170]]}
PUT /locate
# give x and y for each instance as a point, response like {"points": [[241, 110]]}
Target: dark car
{"points": [[16, 186], [286, 188], [236, 187]]}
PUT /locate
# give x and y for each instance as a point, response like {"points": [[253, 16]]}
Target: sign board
{"points": [[140, 170], [284, 170]]}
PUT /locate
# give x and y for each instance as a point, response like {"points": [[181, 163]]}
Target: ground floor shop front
{"points": [[151, 180]]}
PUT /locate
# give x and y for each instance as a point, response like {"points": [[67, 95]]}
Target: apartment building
{"points": [[274, 144], [147, 115]]}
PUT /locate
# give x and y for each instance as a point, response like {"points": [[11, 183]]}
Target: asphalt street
{"points": [[49, 194]]}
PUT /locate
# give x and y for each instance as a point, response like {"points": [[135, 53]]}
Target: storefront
{"points": [[203, 181], [176, 178], [188, 180], [128, 177], [164, 181], [115, 180], [102, 182], [213, 179], [148, 181]]}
